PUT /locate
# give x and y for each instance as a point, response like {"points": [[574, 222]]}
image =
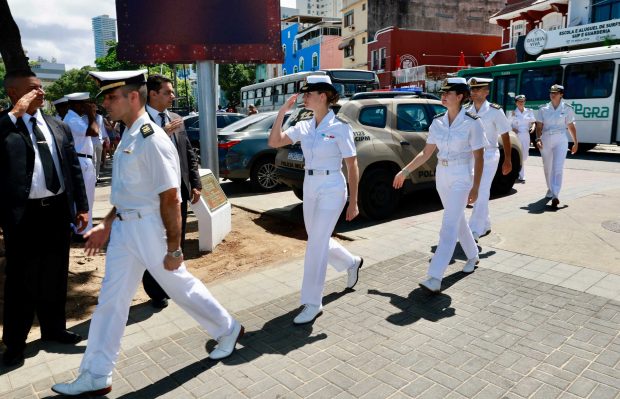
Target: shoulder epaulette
{"points": [[146, 130], [339, 119], [439, 115], [542, 105], [472, 116], [496, 106]]}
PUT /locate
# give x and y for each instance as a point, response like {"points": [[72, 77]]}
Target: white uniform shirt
{"points": [[494, 121], [521, 121], [38, 188], [457, 141], [144, 167], [324, 146], [555, 120], [155, 115], [83, 144]]}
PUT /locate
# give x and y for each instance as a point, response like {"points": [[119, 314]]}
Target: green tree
{"points": [[110, 62], [232, 77], [72, 81], [4, 99]]}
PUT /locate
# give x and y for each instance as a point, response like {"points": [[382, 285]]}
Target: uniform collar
{"points": [[483, 108], [328, 120], [143, 119], [26, 117]]}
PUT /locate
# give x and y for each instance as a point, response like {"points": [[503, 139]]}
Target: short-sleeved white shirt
{"points": [[144, 167], [82, 143], [494, 121], [457, 141], [555, 120], [324, 146], [521, 121]]}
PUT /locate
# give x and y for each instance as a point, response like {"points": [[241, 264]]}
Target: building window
{"points": [[552, 21], [382, 56], [301, 63], [295, 69], [315, 61], [364, 7], [284, 48], [363, 39], [374, 60], [283, 71], [605, 10], [348, 19], [295, 46], [348, 51], [517, 29]]}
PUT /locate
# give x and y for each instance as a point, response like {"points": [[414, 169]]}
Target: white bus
{"points": [[590, 77], [272, 93]]}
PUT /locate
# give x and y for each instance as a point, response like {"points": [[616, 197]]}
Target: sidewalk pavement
{"points": [[539, 325]]}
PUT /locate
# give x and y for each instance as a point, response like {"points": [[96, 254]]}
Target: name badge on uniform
{"points": [[327, 137]]}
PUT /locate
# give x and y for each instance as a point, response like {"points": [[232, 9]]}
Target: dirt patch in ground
{"points": [[256, 241]]}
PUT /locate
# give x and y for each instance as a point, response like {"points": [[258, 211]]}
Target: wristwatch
{"points": [[175, 254]]}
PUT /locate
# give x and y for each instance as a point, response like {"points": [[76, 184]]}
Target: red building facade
{"points": [[397, 49]]}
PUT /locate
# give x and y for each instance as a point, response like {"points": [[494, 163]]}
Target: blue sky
{"points": [[62, 28]]}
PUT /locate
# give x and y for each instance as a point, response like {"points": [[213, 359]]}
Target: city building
{"points": [[47, 71], [320, 8], [355, 34], [104, 30], [532, 27], [311, 43]]}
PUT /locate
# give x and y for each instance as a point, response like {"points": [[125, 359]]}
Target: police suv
{"points": [[389, 132]]}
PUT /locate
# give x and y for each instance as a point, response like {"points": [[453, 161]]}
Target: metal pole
{"points": [[189, 106], [206, 111]]}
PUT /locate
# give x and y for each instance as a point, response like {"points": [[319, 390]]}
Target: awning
{"points": [[346, 43]]}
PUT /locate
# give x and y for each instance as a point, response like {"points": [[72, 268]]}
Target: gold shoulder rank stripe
{"points": [[146, 130], [496, 106], [472, 116], [439, 115]]}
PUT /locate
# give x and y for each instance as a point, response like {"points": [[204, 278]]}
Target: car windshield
{"points": [[242, 123]]}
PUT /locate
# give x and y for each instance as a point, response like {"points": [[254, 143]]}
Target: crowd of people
{"points": [[49, 171]]}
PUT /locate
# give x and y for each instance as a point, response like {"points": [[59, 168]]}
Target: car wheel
{"points": [[299, 193], [378, 199], [263, 175], [502, 184]]}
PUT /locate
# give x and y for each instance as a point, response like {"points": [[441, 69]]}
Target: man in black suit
{"points": [[41, 187], [160, 98]]}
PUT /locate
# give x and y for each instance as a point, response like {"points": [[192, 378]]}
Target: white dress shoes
{"points": [[308, 314], [85, 384], [431, 284], [353, 273], [226, 344], [470, 265]]}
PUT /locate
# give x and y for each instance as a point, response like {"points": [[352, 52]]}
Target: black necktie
{"points": [[51, 177], [162, 115]]}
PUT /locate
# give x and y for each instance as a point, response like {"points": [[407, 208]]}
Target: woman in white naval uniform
{"points": [[495, 125], [459, 137], [553, 121], [521, 120], [325, 142]]}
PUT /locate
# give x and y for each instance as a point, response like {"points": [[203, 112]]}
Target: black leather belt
{"points": [[84, 156], [47, 201]]}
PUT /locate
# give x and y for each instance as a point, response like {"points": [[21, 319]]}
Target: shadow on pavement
{"points": [[245, 189], [278, 336]]}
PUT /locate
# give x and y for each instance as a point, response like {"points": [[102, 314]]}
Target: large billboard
{"points": [[184, 31]]}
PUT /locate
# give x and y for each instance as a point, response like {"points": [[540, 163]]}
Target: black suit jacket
{"points": [[17, 164], [190, 177]]}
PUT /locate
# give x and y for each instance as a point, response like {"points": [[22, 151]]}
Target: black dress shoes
{"points": [[64, 337], [159, 303], [12, 358]]}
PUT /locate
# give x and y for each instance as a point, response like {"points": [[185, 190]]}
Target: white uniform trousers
{"points": [[454, 182], [90, 179], [479, 221], [136, 245], [553, 155], [98, 150], [524, 138], [324, 199]]}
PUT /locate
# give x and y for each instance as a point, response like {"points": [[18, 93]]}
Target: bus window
{"points": [[290, 88], [251, 94], [504, 88], [268, 100], [535, 82], [589, 80], [278, 95], [245, 95], [259, 93]]}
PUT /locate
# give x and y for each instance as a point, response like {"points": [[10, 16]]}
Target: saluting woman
{"points": [[553, 121], [459, 137], [521, 120], [325, 142]]}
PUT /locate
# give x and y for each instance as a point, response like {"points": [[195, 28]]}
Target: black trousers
{"points": [[151, 287], [37, 265]]}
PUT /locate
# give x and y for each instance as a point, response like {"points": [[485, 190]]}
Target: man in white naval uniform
{"points": [[62, 106], [82, 131], [144, 229], [495, 124]]}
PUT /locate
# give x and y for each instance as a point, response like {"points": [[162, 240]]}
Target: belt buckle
{"points": [[444, 162], [310, 172], [45, 201]]}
